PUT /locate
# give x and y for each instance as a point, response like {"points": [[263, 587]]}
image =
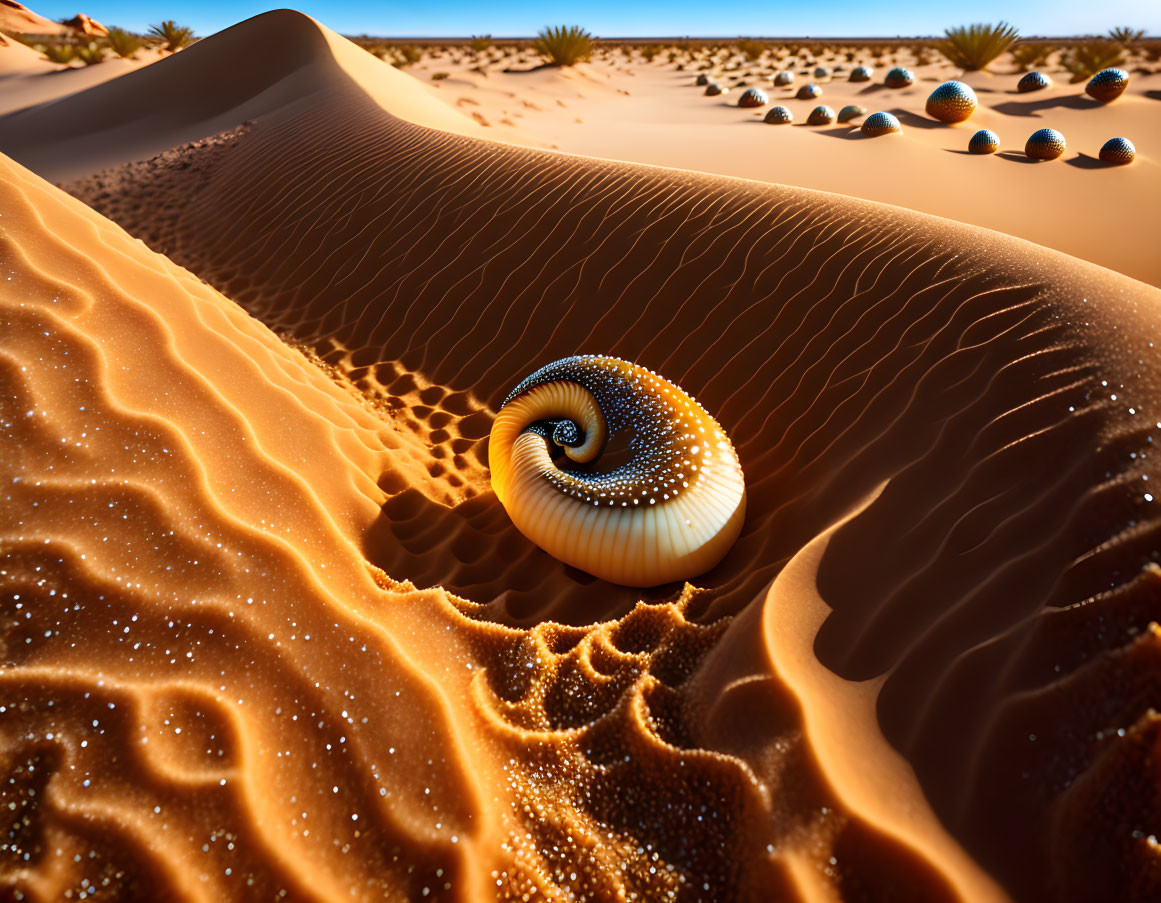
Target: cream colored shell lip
{"points": [[669, 513]]}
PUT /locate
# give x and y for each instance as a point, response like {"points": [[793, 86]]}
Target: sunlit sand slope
{"points": [[928, 663]]}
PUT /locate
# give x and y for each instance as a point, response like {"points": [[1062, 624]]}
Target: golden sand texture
{"points": [[928, 666]]}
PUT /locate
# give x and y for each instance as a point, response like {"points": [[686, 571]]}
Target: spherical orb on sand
{"points": [[952, 102], [899, 78], [753, 97], [713, 89], [1107, 85], [1118, 151], [784, 78], [820, 115], [821, 72], [985, 141], [703, 80], [1033, 81], [881, 124], [809, 92], [851, 111], [779, 116], [861, 74], [1045, 144]]}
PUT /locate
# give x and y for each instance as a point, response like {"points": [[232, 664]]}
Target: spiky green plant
{"points": [[90, 54], [564, 45], [1029, 56], [1125, 36], [480, 42], [175, 36], [1087, 59], [61, 54], [973, 47], [123, 43]]}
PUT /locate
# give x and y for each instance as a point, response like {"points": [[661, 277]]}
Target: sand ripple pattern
{"points": [[949, 442]]}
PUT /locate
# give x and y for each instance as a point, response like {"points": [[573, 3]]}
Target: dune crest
{"points": [[951, 535]]}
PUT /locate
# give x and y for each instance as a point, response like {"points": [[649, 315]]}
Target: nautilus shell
{"points": [[779, 116], [899, 78], [784, 78], [820, 115], [985, 141], [1045, 144], [861, 74], [952, 102], [809, 92], [1107, 85], [881, 124], [851, 111], [753, 97], [1118, 151], [1033, 81], [713, 89], [670, 512]]}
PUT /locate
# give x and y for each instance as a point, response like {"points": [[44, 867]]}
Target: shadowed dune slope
{"points": [[941, 608]]}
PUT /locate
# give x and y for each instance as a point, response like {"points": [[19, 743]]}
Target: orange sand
{"points": [[928, 670]]}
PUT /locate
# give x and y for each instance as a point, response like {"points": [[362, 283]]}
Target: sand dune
{"points": [[928, 666]]}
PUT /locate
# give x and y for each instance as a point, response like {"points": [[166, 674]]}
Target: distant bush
{"points": [[405, 55], [439, 76], [173, 35], [91, 54], [1125, 36], [751, 49], [480, 42], [564, 45], [123, 43], [61, 54], [972, 47], [649, 51], [1029, 56], [1087, 59]]}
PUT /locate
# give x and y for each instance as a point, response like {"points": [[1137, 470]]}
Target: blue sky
{"points": [[616, 18]]}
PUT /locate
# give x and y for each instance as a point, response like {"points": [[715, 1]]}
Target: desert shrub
{"points": [[173, 35], [91, 54], [61, 54], [405, 55], [1087, 59], [1126, 36], [439, 76], [649, 51], [564, 45], [480, 42], [972, 47], [1030, 56], [752, 50], [123, 43]]}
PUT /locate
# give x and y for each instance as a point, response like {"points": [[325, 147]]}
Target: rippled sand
{"points": [[267, 631]]}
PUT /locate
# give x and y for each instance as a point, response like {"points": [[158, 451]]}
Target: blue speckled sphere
{"points": [[881, 124], [1107, 85], [899, 78], [952, 102], [779, 116], [851, 111], [820, 115], [985, 141], [753, 97], [861, 74], [1118, 151], [809, 92], [784, 78], [1045, 144], [1033, 81]]}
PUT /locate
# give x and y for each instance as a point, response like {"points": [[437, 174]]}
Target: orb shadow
{"points": [[1087, 161], [1035, 107]]}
